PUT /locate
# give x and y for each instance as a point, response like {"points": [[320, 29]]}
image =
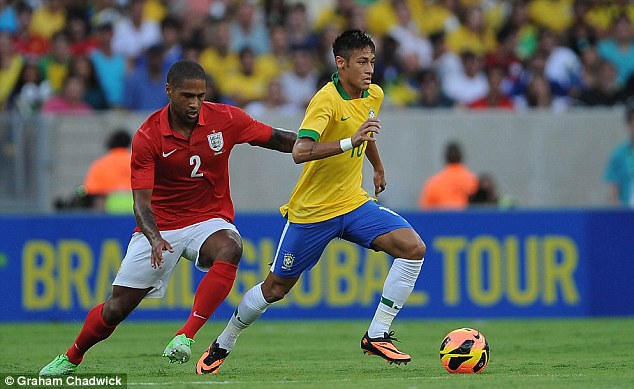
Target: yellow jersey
{"points": [[332, 186]]}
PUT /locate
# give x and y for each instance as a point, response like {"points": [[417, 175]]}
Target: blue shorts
{"points": [[301, 245]]}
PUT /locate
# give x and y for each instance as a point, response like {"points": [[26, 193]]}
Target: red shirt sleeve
{"points": [[250, 130], [142, 161]]}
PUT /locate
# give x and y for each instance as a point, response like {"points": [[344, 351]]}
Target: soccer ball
{"points": [[464, 350]]}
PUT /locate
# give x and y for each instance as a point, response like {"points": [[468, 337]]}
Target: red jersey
{"points": [[189, 178]]}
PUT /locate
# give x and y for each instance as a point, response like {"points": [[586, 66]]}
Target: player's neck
{"points": [[185, 129], [353, 92]]}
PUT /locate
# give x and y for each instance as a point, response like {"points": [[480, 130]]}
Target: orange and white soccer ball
{"points": [[465, 351]]}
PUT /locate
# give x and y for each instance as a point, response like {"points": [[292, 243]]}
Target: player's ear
{"points": [[340, 61], [168, 91]]}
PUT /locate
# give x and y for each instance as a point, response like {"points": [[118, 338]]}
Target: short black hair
{"points": [[119, 138], [453, 153], [184, 69], [349, 41]]}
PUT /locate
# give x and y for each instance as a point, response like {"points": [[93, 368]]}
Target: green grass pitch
{"points": [[525, 353]]}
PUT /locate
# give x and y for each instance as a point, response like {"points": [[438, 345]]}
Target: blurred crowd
{"points": [[72, 56]]}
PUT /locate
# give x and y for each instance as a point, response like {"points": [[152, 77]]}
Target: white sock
{"points": [[249, 310], [398, 285]]}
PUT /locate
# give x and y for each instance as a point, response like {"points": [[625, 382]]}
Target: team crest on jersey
{"points": [[288, 261], [216, 141], [371, 113]]}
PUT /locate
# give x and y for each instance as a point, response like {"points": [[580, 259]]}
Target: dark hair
{"points": [[349, 41], [453, 153], [119, 138], [182, 70]]}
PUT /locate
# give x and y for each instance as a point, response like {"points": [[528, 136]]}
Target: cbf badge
{"points": [[371, 114], [288, 260], [215, 141]]}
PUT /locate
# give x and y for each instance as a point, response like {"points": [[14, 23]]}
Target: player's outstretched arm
{"points": [[306, 149], [146, 221], [281, 140]]}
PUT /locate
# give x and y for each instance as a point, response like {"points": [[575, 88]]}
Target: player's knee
{"points": [[417, 250], [114, 311], [273, 293]]}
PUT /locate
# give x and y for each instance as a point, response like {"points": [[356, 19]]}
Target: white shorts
{"points": [[136, 267]]}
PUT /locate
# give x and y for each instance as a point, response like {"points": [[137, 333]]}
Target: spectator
{"points": [[171, 41], [105, 12], [133, 34], [26, 43], [506, 56], [298, 27], [248, 29], [429, 92], [78, 31], [300, 83], [279, 60], [107, 181], [10, 68], [213, 93], [436, 17], [486, 194], [387, 66], [8, 17], [216, 57], [275, 12], [619, 48], [245, 84], [554, 15], [145, 86], [31, 90], [619, 172], [496, 97], [606, 91], [447, 64], [527, 31], [581, 34], [538, 95], [275, 103], [451, 187], [56, 64], [468, 85], [562, 68], [109, 67], [48, 19], [403, 90], [473, 35], [338, 14], [410, 38], [95, 96], [70, 101]]}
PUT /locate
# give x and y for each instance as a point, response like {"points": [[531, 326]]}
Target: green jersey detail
{"points": [[306, 133]]}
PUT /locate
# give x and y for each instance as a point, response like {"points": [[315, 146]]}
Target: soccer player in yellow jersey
{"points": [[329, 202]]}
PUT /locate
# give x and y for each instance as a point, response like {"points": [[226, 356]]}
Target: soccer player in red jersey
{"points": [[182, 205]]}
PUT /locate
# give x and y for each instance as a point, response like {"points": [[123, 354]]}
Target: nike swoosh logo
{"points": [[165, 155], [344, 119], [195, 314]]}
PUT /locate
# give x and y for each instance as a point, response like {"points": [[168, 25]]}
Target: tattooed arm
{"points": [[306, 149], [281, 140]]}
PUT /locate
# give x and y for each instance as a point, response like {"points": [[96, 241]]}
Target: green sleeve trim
{"points": [[305, 133]]}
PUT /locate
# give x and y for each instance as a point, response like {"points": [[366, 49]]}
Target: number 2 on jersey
{"points": [[195, 161]]}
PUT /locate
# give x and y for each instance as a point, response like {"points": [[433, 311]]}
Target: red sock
{"points": [[212, 290], [94, 331]]}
